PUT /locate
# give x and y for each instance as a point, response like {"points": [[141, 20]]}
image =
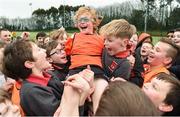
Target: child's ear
{"points": [[167, 60], [29, 64], [49, 59], [165, 107]]}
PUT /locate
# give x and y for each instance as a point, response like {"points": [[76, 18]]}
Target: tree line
{"points": [[156, 14]]}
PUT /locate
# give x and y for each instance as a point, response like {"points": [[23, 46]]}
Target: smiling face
{"points": [[176, 38], [5, 36], [158, 55], [133, 42], [115, 45], [85, 23], [170, 35], [58, 55], [39, 55], [157, 90], [40, 40], [145, 49], [134, 39]]}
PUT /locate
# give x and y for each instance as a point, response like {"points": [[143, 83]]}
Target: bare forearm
{"points": [[70, 104]]}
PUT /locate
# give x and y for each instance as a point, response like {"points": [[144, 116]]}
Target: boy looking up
{"points": [[40, 94]]}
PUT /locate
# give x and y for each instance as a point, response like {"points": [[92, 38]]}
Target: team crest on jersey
{"points": [[113, 66]]}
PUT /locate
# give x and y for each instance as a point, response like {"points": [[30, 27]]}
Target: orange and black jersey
{"points": [[40, 96], [151, 73], [116, 66], [85, 50]]}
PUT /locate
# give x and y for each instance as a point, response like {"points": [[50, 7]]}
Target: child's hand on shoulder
{"points": [[25, 35]]}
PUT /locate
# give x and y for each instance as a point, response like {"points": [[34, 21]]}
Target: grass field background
{"points": [[156, 35]]}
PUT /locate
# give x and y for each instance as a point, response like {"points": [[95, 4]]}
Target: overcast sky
{"points": [[21, 8]]}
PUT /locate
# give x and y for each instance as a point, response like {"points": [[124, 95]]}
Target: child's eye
{"points": [[108, 40], [84, 19], [178, 36], [154, 86], [157, 49], [39, 49]]}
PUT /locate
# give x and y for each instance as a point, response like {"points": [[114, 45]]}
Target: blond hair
{"points": [[58, 34], [134, 28], [118, 28]]}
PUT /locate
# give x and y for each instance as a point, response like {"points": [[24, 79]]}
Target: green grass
{"points": [[156, 39], [33, 35], [155, 33]]}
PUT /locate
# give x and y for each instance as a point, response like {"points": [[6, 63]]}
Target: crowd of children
{"points": [[107, 71]]}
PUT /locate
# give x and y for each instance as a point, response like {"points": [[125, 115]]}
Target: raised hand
{"points": [[25, 35]]}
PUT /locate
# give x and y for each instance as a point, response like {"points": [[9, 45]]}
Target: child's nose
{"points": [[105, 42], [82, 21]]}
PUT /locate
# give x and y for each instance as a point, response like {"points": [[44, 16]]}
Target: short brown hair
{"points": [[174, 49], [3, 29], [125, 99], [134, 29], [15, 55], [40, 34], [172, 98], [118, 28], [50, 46]]}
